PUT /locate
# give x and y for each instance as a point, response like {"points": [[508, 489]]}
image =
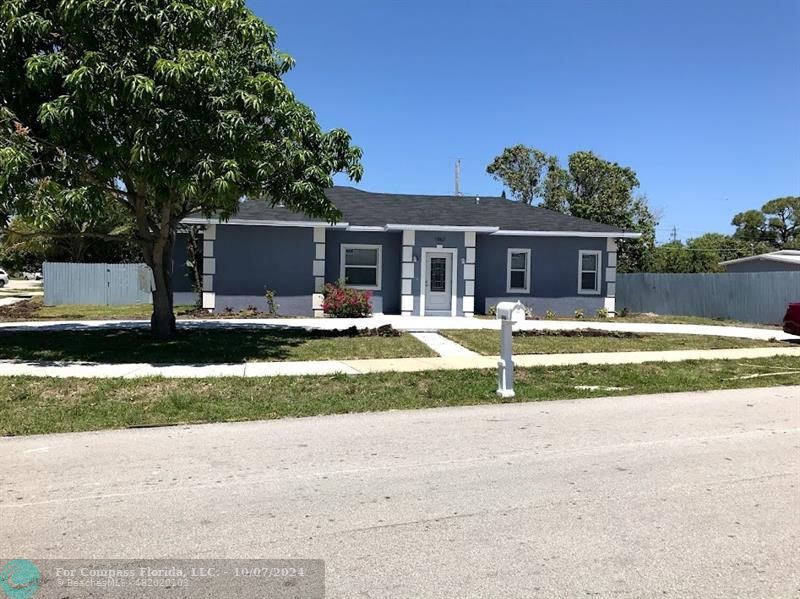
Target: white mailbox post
{"points": [[507, 313]]}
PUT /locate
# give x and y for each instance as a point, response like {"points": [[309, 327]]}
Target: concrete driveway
{"points": [[688, 495]]}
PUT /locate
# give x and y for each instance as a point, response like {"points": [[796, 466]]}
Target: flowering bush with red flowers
{"points": [[345, 302]]}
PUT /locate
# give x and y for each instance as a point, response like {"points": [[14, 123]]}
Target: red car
{"points": [[791, 322]]}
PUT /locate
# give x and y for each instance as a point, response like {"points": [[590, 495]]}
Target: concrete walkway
{"points": [[412, 324], [443, 346], [329, 367]]}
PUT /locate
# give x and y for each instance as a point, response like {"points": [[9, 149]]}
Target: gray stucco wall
{"points": [[762, 266], [386, 299], [252, 259], [554, 273]]}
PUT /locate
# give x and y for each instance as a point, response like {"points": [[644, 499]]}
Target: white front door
{"points": [[438, 282]]}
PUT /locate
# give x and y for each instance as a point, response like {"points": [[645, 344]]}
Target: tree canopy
{"points": [[777, 223], [160, 107], [590, 187]]}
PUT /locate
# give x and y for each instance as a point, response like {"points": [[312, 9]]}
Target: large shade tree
{"points": [[161, 107]]}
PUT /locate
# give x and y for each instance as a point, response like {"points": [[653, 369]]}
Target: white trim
{"points": [[208, 282], [610, 304], [398, 227], [527, 289], [319, 283], [424, 276], [469, 272], [319, 234], [408, 253], [318, 269], [409, 237], [508, 232], [378, 267], [611, 289], [599, 272], [408, 270], [470, 257], [611, 260], [319, 251], [263, 223], [468, 304], [785, 256], [210, 233], [209, 300], [407, 303], [469, 288], [365, 228], [209, 266], [405, 287], [611, 245], [611, 274], [469, 239]]}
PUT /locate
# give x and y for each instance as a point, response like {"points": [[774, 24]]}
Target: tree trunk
{"points": [[162, 322]]}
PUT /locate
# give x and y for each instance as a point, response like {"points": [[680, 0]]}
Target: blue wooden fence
{"points": [[752, 297]]}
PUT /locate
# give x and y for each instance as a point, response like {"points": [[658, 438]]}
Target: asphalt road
{"points": [[689, 495]]}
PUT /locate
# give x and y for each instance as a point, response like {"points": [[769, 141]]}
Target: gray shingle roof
{"points": [[368, 209]]}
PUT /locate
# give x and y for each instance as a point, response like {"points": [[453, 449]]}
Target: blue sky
{"points": [[700, 98]]}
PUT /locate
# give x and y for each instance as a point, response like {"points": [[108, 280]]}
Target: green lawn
{"points": [[569, 342], [202, 346], [42, 405], [664, 319], [34, 310]]}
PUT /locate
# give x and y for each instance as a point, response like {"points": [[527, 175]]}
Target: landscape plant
{"points": [[341, 301], [160, 109]]}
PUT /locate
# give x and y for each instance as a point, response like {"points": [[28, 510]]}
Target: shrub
{"points": [[579, 314], [529, 315], [602, 313], [345, 302], [624, 312], [549, 315], [272, 306], [491, 310]]}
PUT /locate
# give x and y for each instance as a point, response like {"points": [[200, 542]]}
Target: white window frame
{"points": [[598, 278], [361, 246], [527, 288]]}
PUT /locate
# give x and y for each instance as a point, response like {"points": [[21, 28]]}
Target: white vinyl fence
{"points": [[96, 284], [751, 297]]}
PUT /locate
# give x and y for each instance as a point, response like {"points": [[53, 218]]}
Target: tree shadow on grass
{"points": [[126, 346]]}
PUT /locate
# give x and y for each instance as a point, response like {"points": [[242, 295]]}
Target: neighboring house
{"points": [[418, 255], [780, 261]]}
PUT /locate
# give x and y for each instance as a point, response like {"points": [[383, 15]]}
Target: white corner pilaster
{"points": [[209, 297], [318, 271], [610, 301], [468, 301], [407, 274]]}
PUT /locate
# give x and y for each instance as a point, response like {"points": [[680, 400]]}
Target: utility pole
{"points": [[458, 177]]}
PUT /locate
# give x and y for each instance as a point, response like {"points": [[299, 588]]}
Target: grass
{"points": [[567, 342], [201, 346], [31, 405], [665, 319], [33, 309]]}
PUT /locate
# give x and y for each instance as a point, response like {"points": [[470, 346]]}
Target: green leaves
{"points": [[591, 188]]}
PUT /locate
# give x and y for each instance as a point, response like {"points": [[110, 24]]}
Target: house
{"points": [[780, 261], [417, 254]]}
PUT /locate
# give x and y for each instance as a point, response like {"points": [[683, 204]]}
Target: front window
{"points": [[589, 272], [361, 266], [518, 271]]}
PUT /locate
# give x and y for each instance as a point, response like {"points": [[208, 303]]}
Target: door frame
{"points": [[423, 279]]}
